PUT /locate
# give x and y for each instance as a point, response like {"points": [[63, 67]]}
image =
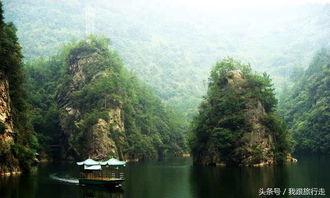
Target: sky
{"points": [[241, 3]]}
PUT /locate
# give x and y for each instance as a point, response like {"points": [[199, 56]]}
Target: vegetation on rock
{"points": [[237, 123], [83, 102], [101, 107], [172, 48], [16, 133]]}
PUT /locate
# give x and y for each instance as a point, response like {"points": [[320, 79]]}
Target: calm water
{"points": [[175, 178]]}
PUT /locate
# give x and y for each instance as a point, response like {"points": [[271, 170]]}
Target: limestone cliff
{"points": [[255, 139], [5, 110], [236, 124], [9, 162], [102, 139]]}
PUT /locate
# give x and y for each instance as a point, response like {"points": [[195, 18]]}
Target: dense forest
{"points": [[17, 140], [237, 123], [306, 106]]}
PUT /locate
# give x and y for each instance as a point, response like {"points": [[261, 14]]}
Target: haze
{"points": [[172, 45]]}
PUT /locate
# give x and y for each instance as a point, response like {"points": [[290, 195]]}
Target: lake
{"points": [[175, 178]]}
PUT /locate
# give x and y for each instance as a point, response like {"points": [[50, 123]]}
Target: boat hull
{"points": [[101, 182]]}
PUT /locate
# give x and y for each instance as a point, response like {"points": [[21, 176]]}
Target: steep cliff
{"points": [[257, 142], [7, 128], [236, 124], [105, 111], [15, 134], [85, 69], [9, 163]]}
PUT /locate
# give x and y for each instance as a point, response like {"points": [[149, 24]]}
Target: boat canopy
{"points": [[93, 167], [113, 162], [90, 164]]}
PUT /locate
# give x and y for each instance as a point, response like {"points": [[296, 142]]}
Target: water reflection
{"points": [[236, 181], [18, 186], [100, 192], [168, 178], [172, 179]]}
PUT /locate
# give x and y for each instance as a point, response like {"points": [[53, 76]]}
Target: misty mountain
{"points": [[172, 46]]}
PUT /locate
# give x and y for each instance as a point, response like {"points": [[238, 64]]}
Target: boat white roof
{"points": [[88, 162], [113, 162], [93, 167]]}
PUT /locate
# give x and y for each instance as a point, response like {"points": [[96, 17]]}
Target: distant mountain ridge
{"points": [[172, 46]]}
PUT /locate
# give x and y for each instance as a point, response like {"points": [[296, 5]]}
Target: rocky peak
{"points": [[102, 142], [236, 124], [255, 137], [77, 71], [234, 77]]}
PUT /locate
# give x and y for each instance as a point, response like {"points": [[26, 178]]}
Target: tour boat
{"points": [[109, 173]]}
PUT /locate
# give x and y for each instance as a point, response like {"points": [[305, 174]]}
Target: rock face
{"points": [[255, 139], [236, 124], [5, 111], [6, 128], [101, 140]]}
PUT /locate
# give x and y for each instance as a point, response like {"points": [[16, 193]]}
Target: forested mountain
{"points": [[306, 106], [172, 45], [86, 102], [237, 123], [16, 133]]}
